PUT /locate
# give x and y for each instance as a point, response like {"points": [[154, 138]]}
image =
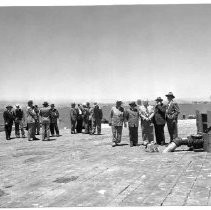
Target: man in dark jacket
{"points": [[45, 120], [172, 112], [96, 116], [37, 120], [73, 118], [19, 118], [86, 118], [132, 116], [159, 121], [8, 121], [54, 115]]}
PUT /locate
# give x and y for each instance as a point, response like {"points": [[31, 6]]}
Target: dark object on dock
{"points": [[192, 141]]}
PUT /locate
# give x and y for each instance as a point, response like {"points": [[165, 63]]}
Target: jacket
{"points": [[172, 110], [54, 115], [73, 114], [8, 117], [18, 114], [30, 115], [132, 116], [96, 113], [159, 114], [45, 114], [117, 116]]}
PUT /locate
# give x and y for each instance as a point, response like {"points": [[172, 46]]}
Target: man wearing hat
{"points": [[37, 120], [86, 117], [45, 120], [146, 113], [117, 118], [159, 121], [96, 117], [73, 118], [54, 116], [30, 118], [19, 118], [172, 112], [8, 121], [132, 116]]}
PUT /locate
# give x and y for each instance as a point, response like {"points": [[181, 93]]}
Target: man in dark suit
{"points": [[159, 121], [132, 116], [8, 121], [73, 118], [172, 112]]}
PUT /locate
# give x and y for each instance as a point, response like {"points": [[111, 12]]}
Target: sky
{"points": [[105, 53]]}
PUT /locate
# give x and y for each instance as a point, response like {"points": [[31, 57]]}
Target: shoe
{"points": [[36, 138], [114, 144], [57, 135], [23, 136]]}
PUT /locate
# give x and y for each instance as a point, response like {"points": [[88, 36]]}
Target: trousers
{"points": [[54, 126], [159, 134], [117, 134], [8, 130], [18, 127], [133, 133], [31, 130], [45, 130], [96, 124], [172, 128], [73, 125]]}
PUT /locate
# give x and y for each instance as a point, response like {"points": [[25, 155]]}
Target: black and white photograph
{"points": [[105, 103]]}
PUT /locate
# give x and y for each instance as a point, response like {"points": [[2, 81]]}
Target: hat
{"points": [[9, 106], [133, 103], [95, 103], [52, 105], [170, 94], [45, 103], [17, 105], [30, 102], [118, 102], [158, 99]]}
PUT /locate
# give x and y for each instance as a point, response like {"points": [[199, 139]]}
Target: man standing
{"points": [[73, 118], [8, 121], [117, 117], [86, 115], [37, 120], [146, 114], [30, 118], [97, 116], [79, 125], [159, 121], [19, 120], [172, 113], [54, 115], [132, 116], [45, 120]]}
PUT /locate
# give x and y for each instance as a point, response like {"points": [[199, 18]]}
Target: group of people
{"points": [[83, 116], [46, 116], [87, 117], [152, 119]]}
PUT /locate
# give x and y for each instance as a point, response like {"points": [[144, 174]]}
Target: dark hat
{"points": [[45, 103], [158, 99], [9, 106], [170, 94], [133, 103], [118, 102], [52, 105], [36, 106], [30, 102]]}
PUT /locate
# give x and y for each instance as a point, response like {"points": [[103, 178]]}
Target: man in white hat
{"points": [[172, 113], [19, 121], [8, 121]]}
